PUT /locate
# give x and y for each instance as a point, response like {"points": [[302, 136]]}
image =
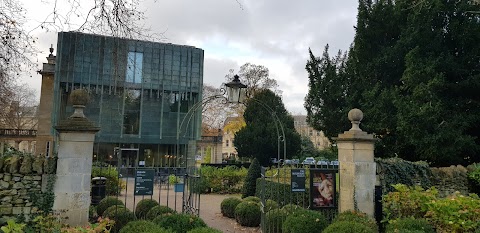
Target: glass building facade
{"points": [[140, 93]]}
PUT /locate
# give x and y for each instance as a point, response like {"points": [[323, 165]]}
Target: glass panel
{"points": [[134, 67], [138, 67], [130, 67], [131, 117]]}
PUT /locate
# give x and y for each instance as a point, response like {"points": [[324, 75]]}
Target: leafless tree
{"points": [[256, 77], [20, 109], [215, 111], [119, 18]]}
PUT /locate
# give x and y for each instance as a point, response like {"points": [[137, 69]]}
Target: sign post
{"points": [[144, 181]]}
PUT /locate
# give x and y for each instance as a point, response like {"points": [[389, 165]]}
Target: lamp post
{"points": [[236, 91]]}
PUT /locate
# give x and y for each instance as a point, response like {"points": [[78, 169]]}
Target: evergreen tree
{"points": [[413, 69], [250, 184], [260, 137]]}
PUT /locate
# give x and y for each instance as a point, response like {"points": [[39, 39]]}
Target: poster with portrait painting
{"points": [[322, 188]]}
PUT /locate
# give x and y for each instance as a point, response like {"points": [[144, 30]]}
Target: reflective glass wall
{"points": [[140, 91]]}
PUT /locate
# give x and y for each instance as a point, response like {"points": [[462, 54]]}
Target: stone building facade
{"points": [[318, 138]]}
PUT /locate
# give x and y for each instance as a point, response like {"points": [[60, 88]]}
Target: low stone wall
{"points": [[21, 177], [15, 193], [449, 180]]}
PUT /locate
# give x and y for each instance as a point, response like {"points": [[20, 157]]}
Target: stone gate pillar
{"points": [[357, 167], [74, 165]]}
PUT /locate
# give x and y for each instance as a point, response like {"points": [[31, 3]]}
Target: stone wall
{"points": [[448, 180], [22, 176], [15, 193]]}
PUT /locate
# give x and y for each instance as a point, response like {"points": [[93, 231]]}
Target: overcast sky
{"points": [[272, 33]]}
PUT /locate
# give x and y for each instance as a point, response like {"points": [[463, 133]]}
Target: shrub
{"points": [[270, 205], [250, 184], [348, 227], [409, 224], [158, 211], [252, 199], [281, 193], [357, 217], [113, 184], [248, 214], [107, 202], [304, 222], [143, 207], [290, 208], [474, 179], [456, 213], [180, 223], [228, 206], [92, 213], [204, 230], [274, 220], [121, 216], [407, 202], [222, 180], [141, 226], [112, 209], [102, 226]]}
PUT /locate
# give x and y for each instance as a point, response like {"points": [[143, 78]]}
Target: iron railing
{"points": [[18, 133]]}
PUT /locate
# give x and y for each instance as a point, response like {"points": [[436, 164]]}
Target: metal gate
{"points": [[173, 186], [296, 185]]}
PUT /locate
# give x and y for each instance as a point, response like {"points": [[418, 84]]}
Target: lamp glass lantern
{"points": [[236, 91]]}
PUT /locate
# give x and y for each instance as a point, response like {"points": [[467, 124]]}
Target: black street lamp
{"points": [[236, 91]]}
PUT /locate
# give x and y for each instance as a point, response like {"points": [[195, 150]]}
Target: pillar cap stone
{"points": [[355, 116], [77, 121]]}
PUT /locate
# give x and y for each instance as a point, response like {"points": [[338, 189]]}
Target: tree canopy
{"points": [[414, 70], [258, 139]]}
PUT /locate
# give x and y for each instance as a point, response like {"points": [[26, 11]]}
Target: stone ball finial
{"points": [[79, 97], [355, 116]]}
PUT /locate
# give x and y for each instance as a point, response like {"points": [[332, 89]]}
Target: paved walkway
{"points": [[210, 213], [209, 207]]}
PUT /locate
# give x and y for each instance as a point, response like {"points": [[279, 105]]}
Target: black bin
{"points": [[99, 190]]}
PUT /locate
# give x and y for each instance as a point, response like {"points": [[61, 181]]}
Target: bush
{"points": [[113, 208], [250, 184], [221, 180], [158, 211], [252, 199], [407, 202], [113, 184], [228, 206], [180, 223], [474, 179], [357, 217], [409, 224], [142, 226], [270, 205], [248, 214], [92, 213], [204, 230], [281, 193], [304, 222], [143, 207], [456, 213], [121, 216], [274, 220], [107, 202], [348, 227], [290, 208]]}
